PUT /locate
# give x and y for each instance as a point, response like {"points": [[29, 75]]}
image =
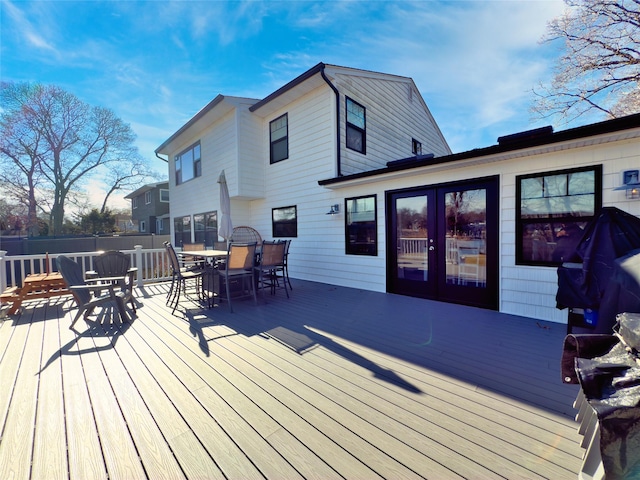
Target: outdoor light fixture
{"points": [[630, 184], [335, 209]]}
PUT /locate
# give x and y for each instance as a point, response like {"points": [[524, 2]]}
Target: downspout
{"points": [[338, 161]]}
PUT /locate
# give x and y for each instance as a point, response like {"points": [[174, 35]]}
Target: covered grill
{"points": [[604, 275]]}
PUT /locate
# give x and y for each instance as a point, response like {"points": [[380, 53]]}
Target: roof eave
{"points": [[591, 130]]}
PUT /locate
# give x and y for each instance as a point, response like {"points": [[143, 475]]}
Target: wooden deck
{"points": [[333, 383]]}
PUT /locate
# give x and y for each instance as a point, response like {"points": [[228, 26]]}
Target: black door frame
{"points": [[437, 288]]}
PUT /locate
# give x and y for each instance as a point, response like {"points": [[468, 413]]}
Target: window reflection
{"points": [[466, 220], [412, 235]]}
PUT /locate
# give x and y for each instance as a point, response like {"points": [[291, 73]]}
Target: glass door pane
{"points": [[412, 238], [466, 237]]}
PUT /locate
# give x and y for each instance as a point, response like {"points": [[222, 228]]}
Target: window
{"points": [[279, 139], [188, 164], [164, 195], [361, 226], [552, 210], [159, 225], [205, 226], [134, 202], [182, 230], [416, 147], [356, 126], [147, 197], [143, 226], [285, 222]]}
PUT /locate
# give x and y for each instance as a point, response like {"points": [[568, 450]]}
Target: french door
{"points": [[443, 242]]}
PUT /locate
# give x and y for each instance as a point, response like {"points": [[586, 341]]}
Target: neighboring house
{"points": [[150, 208], [484, 227]]}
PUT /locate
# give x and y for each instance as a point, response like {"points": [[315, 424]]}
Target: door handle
{"points": [[432, 248]]}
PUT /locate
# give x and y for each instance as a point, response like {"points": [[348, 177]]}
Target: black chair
{"points": [[179, 278], [113, 263], [272, 266], [89, 294]]}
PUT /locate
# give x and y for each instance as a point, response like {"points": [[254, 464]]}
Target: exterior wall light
{"points": [[630, 184], [334, 210]]}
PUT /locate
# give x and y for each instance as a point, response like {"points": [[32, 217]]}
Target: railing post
{"points": [[3, 271], [139, 264]]}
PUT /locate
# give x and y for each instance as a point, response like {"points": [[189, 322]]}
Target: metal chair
{"points": [[239, 270], [272, 266], [243, 234], [89, 294], [190, 261], [179, 278]]}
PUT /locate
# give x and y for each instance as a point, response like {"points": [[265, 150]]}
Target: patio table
{"points": [[37, 285], [208, 255]]}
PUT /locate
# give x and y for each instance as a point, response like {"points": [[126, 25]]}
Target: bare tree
{"points": [[54, 142], [599, 69], [120, 178], [21, 145]]}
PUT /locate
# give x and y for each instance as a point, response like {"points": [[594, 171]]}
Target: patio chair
{"points": [[272, 266], [180, 276], [245, 234], [238, 272], [89, 294], [190, 261], [113, 263]]}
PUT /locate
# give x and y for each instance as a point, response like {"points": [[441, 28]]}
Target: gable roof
{"points": [[147, 187], [213, 110], [309, 80], [511, 146]]}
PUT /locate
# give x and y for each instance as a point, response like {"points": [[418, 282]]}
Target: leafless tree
{"points": [[53, 142], [599, 69], [120, 178]]}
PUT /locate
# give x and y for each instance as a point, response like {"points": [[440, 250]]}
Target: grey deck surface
{"points": [[332, 383]]}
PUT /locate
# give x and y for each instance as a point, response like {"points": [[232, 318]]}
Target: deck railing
{"points": [[152, 263]]}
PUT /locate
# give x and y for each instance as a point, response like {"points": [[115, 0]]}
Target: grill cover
{"points": [[613, 234]]}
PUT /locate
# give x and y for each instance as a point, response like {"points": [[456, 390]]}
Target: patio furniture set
{"points": [[241, 270]]}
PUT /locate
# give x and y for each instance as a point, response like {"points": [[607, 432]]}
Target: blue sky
{"points": [[157, 63]]}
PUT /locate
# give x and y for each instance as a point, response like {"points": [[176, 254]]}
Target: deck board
{"points": [[332, 383]]}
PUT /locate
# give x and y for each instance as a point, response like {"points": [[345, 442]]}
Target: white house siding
{"points": [[251, 165], [294, 181], [524, 290], [530, 291], [218, 151], [395, 113]]}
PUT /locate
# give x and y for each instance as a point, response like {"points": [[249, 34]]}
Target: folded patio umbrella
{"points": [[226, 227]]}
